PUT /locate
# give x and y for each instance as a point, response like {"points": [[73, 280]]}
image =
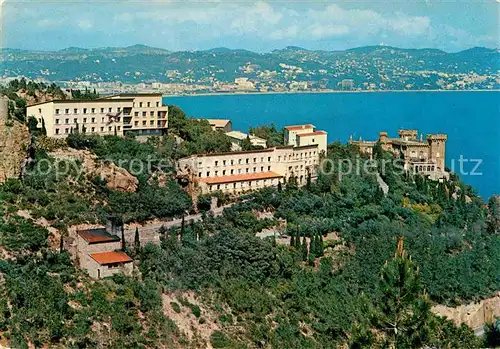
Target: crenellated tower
{"points": [[437, 149]]}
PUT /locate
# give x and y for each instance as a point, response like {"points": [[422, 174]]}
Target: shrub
{"points": [[220, 340], [175, 307], [196, 310]]}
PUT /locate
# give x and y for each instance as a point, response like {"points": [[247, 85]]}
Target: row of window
{"points": [[247, 160], [91, 129], [233, 171], [242, 184], [86, 110], [147, 103], [160, 114], [75, 120], [102, 110]]}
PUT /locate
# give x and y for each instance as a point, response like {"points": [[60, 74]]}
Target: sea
{"points": [[470, 119]]}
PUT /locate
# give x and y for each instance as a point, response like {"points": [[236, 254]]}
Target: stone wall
{"points": [[474, 315], [14, 143]]}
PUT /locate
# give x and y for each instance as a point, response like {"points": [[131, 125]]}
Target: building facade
{"points": [[99, 253], [420, 156], [302, 135], [223, 125], [237, 172], [141, 114]]}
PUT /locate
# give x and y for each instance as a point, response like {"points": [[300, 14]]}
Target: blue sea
{"points": [[471, 120]]}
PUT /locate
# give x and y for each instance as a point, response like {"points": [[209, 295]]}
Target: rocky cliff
{"points": [[474, 315], [14, 142]]}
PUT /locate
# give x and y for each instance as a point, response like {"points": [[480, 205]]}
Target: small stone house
{"points": [[99, 252]]}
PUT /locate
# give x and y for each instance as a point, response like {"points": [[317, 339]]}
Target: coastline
{"points": [[313, 92]]}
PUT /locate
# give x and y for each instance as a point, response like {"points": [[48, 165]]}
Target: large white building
{"points": [[141, 114], [301, 135]]}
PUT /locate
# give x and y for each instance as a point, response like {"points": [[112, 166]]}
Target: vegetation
{"points": [[338, 282]]}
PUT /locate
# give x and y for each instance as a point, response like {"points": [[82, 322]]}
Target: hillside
{"points": [[387, 68]]}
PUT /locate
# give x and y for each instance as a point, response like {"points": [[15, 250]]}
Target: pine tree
{"points": [[137, 242], [404, 309]]}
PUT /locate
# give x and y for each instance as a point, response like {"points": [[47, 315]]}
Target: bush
{"points": [[175, 307], [220, 340], [196, 310]]}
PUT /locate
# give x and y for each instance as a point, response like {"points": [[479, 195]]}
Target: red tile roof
{"points": [[240, 178], [315, 133], [95, 236], [112, 257], [298, 127]]}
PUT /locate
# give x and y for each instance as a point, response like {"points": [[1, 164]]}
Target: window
{"points": [[279, 158], [118, 109], [66, 130], [144, 123], [199, 174], [208, 173], [75, 111], [102, 110], [84, 120], [247, 170], [216, 173], [92, 120], [39, 110], [93, 129], [102, 119], [157, 104], [57, 121], [224, 162], [151, 113], [269, 168], [66, 111], [57, 111], [234, 185], [143, 113], [239, 161], [216, 163], [269, 159], [255, 169], [102, 129], [232, 162], [262, 169], [92, 110], [136, 113], [119, 127], [232, 171], [224, 172], [57, 131], [110, 110], [149, 104], [254, 160], [239, 170], [109, 128], [136, 123], [140, 104], [66, 121], [85, 110], [218, 185], [75, 120], [248, 160]]}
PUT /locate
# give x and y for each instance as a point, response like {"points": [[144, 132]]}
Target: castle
{"points": [[420, 156]]}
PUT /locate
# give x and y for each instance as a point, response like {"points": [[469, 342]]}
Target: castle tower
{"points": [[408, 134], [437, 149]]}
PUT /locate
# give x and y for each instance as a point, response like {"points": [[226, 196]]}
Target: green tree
{"points": [[303, 249], [137, 242], [404, 311]]}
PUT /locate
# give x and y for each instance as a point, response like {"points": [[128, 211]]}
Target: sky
{"points": [[260, 26]]}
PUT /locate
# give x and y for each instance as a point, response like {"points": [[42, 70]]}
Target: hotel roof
{"points": [[99, 100], [299, 127], [112, 257], [240, 178], [315, 133], [96, 236], [218, 122]]}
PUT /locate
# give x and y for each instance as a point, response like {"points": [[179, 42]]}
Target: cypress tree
{"points": [[292, 239], [312, 247], [61, 244], [124, 245], [137, 242], [297, 238], [303, 249], [280, 187], [321, 247]]}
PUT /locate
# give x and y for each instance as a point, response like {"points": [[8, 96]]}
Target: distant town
{"points": [[143, 69]]}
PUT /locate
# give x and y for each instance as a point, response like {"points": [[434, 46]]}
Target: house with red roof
{"points": [[99, 252]]}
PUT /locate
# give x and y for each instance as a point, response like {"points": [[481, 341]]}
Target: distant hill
{"points": [[384, 67]]}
